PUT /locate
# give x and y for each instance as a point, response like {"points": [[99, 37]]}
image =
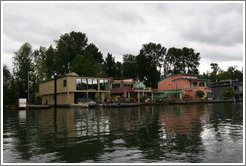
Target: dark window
{"points": [[78, 84], [106, 84], [95, 86], [201, 84], [64, 83], [235, 87], [116, 85], [90, 84], [209, 94], [194, 84], [84, 84], [102, 86]]}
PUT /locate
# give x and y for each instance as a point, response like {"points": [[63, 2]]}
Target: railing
{"points": [[189, 86]]}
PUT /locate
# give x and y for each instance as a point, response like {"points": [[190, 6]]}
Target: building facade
{"points": [[72, 87], [129, 88], [220, 86], [184, 86]]}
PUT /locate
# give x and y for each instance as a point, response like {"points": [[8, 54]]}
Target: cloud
{"points": [[213, 29]]}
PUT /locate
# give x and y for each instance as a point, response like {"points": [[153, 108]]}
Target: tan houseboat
{"points": [[72, 88]]}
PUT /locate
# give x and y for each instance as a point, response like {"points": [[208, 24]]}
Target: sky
{"points": [[215, 30]]}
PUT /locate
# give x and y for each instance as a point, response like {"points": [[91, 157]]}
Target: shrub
{"points": [[229, 93], [200, 94]]}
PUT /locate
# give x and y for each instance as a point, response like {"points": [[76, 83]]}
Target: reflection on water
{"points": [[173, 133]]}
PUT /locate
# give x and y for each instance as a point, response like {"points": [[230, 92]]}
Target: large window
{"points": [[90, 84], [201, 84], [95, 86], [78, 84], [104, 84], [84, 84], [194, 84]]}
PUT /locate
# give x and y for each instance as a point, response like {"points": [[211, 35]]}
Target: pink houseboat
{"points": [[188, 83]]}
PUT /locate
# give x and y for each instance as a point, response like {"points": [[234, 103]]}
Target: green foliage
{"points": [[119, 69], [149, 63], [22, 65], [129, 66], [97, 55], [110, 66], [217, 74], [229, 93], [215, 68], [200, 94], [68, 46], [183, 60], [85, 65], [8, 91]]}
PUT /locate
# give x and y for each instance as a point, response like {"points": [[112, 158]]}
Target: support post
{"points": [[55, 79], [138, 96], [28, 89]]}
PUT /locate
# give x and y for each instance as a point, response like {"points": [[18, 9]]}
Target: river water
{"points": [[203, 133]]}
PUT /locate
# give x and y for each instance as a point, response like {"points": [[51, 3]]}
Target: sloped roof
{"points": [[139, 85]]}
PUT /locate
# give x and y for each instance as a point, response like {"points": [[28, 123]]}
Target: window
{"points": [[64, 83], [235, 87], [94, 82], [209, 94], [106, 84], [194, 84], [84, 84], [116, 85], [78, 84], [90, 84], [201, 84]]}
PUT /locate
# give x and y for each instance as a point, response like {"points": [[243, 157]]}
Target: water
{"points": [[206, 133]]}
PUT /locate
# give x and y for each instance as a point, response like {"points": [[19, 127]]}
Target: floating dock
{"points": [[121, 105]]}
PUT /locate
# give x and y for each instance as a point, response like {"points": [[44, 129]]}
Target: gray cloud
{"points": [[213, 29]]}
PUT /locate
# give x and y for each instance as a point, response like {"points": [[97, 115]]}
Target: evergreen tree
{"points": [[149, 63], [110, 66], [129, 66], [23, 65], [68, 46]]}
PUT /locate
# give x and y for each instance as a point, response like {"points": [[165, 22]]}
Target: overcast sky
{"points": [[215, 30]]}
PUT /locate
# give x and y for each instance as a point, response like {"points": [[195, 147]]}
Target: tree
{"points": [[50, 62], [200, 94], [215, 68], [22, 66], [129, 66], [184, 60], [97, 55], [85, 65], [149, 63], [8, 91], [40, 68], [229, 93], [119, 69], [110, 66], [68, 46]]}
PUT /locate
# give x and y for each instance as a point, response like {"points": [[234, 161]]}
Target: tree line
{"points": [[73, 53]]}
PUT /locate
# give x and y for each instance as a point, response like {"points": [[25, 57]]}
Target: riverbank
{"points": [[113, 105]]}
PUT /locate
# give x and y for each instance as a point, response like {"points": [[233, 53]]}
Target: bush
{"points": [[229, 93], [200, 94]]}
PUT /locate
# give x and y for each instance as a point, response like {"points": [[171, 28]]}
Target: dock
{"points": [[121, 105], [33, 106]]}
